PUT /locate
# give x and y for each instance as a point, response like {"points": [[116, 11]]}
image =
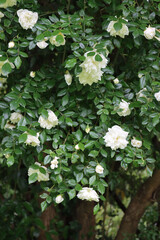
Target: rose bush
{"points": [[80, 96]]}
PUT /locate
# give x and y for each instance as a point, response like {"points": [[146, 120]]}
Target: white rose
{"points": [[40, 176], [42, 44], [9, 126], [15, 117], [99, 169], [1, 14], [149, 33], [91, 69], [53, 40], [11, 44], [32, 140], [27, 19], [116, 81], [136, 143], [116, 138], [122, 32], [8, 3], [50, 122], [32, 74], [124, 106], [157, 96], [59, 199], [68, 78], [88, 194], [54, 163], [77, 147]]}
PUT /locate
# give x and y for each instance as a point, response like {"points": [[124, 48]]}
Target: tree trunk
{"points": [[137, 207], [85, 217], [46, 218]]}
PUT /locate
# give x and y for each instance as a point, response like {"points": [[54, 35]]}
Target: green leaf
{"points": [[101, 188], [96, 209], [59, 39], [47, 159], [117, 26], [142, 82], [72, 194], [90, 144], [93, 134], [43, 205], [22, 138], [78, 187], [44, 113], [10, 161], [43, 137], [3, 105], [65, 100], [78, 135], [18, 62], [155, 120], [98, 58], [93, 153], [71, 63], [59, 179], [33, 178], [104, 153], [3, 1], [92, 180], [90, 54], [79, 176], [6, 69], [69, 122]]}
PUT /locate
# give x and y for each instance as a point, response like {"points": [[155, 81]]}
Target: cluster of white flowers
{"points": [[150, 33], [54, 163], [32, 140], [2, 63], [124, 106], [59, 199], [88, 194], [157, 96], [50, 122], [1, 15], [99, 169], [116, 138], [91, 69], [68, 78], [8, 3], [53, 40], [40, 176], [122, 32], [136, 143], [15, 117], [27, 19]]}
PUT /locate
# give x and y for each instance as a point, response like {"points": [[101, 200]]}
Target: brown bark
{"points": [[46, 218], [84, 214], [137, 207]]}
